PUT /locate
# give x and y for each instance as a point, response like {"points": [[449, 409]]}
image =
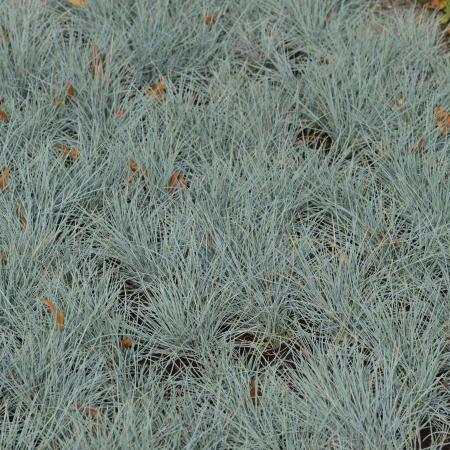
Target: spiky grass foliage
{"points": [[290, 292]]}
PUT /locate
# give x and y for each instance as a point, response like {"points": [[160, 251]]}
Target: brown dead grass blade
{"points": [[22, 218], [97, 62], [255, 392]]}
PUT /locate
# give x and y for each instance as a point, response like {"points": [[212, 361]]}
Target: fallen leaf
{"points": [[4, 178], [60, 320], [77, 3], [442, 119], [182, 182], [50, 305], [158, 89], [173, 181], [126, 343], [176, 179], [22, 218], [4, 117], [70, 90], [211, 20], [88, 410], [436, 4], [133, 166], [73, 153], [58, 101], [119, 113]]}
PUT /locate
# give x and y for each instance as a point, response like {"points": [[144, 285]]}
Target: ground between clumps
{"points": [[223, 225]]}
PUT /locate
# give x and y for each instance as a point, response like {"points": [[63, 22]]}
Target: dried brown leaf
{"points": [[70, 90], [126, 343], [4, 117], [72, 153], [133, 166], [88, 410], [436, 4], [50, 306], [4, 178], [157, 90], [119, 113], [211, 20], [173, 181], [58, 101], [176, 180], [77, 3], [182, 182], [442, 119]]}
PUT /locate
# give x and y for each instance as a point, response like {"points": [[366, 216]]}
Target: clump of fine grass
{"points": [[254, 254]]}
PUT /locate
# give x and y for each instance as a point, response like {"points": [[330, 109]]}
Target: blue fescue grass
{"points": [[293, 295]]}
